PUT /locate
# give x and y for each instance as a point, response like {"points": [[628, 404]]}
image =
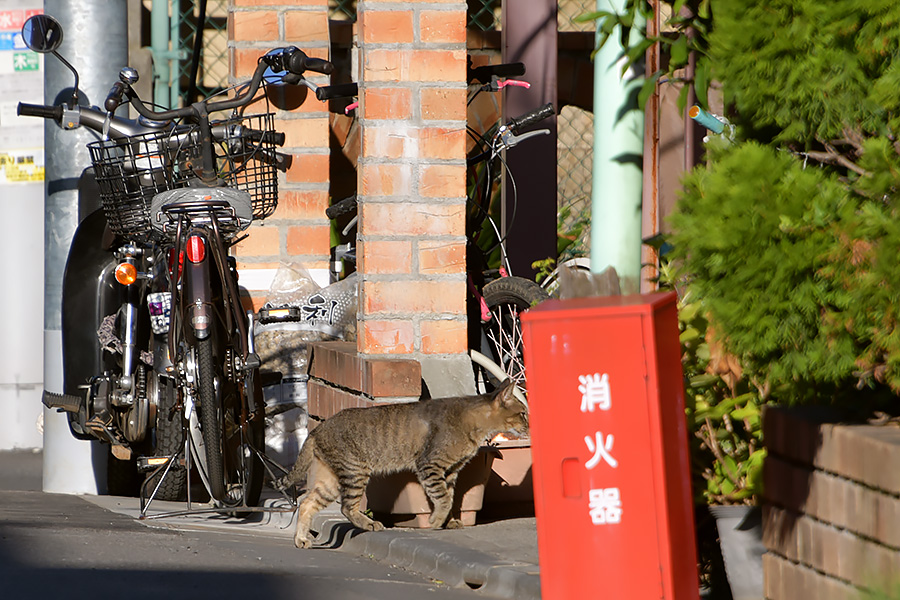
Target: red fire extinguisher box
{"points": [[611, 469]]}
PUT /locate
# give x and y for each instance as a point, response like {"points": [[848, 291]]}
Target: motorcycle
{"points": [[158, 355]]}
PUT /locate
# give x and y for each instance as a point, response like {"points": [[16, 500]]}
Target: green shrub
{"points": [[791, 234]]}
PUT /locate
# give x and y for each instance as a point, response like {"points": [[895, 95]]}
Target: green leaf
{"points": [[647, 89], [687, 312], [688, 335], [701, 82], [703, 11], [679, 52], [749, 411], [593, 16], [682, 98], [703, 380]]}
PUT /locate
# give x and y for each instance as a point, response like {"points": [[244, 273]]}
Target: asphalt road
{"points": [[54, 545]]}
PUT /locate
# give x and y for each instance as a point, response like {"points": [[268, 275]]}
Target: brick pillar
{"points": [[411, 180], [298, 230]]}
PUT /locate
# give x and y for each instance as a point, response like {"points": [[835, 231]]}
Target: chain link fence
{"points": [[212, 69], [575, 150], [342, 10]]}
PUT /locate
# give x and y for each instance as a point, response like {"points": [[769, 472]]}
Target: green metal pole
{"points": [[159, 45], [617, 173], [174, 65]]}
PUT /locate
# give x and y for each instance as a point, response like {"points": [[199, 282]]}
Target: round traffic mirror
{"points": [[42, 33]]}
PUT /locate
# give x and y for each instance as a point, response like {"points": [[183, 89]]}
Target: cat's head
{"points": [[508, 412]]}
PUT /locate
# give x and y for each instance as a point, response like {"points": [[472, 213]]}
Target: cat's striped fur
{"points": [[433, 438]]}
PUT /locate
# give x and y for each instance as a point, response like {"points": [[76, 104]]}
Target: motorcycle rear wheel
{"points": [[169, 441]]}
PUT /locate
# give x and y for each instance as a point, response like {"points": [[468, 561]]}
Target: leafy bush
{"points": [[724, 413], [791, 234]]}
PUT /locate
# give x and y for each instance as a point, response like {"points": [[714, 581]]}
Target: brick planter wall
{"points": [[341, 378], [831, 512]]}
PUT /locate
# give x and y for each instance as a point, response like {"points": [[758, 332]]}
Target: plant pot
{"points": [[740, 538], [510, 478], [399, 499]]}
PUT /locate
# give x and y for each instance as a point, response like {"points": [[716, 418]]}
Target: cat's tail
{"points": [[300, 468]]}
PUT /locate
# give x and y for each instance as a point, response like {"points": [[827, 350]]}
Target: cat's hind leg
{"points": [[323, 488], [352, 489]]}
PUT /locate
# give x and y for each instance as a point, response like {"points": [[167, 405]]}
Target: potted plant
{"points": [[724, 415]]}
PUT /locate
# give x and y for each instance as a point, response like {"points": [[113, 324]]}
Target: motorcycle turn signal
{"points": [[126, 273]]}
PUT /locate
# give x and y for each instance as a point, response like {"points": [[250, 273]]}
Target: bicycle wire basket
{"points": [[131, 170]]}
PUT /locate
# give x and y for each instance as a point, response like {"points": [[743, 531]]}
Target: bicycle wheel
{"points": [[501, 336], [244, 442], [233, 467], [211, 421]]}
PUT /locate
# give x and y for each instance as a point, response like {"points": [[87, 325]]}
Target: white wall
{"points": [[22, 238]]}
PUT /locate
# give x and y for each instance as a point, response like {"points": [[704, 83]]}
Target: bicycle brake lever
{"points": [[508, 139]]}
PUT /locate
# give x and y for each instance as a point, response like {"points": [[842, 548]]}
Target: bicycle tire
{"points": [[244, 467], [169, 441], [507, 298], [211, 418]]}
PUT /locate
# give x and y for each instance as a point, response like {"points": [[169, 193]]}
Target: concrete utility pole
{"points": [[96, 44]]}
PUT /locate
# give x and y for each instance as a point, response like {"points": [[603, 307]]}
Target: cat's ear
{"points": [[504, 395]]}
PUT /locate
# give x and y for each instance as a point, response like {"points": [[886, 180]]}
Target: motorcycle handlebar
{"points": [[114, 97], [39, 110]]}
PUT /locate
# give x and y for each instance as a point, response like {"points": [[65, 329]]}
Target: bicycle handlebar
{"points": [[341, 207], [484, 73], [530, 118], [343, 90], [289, 59]]}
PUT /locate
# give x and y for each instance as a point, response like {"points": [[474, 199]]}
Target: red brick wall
{"points": [[298, 230], [411, 178], [831, 512]]}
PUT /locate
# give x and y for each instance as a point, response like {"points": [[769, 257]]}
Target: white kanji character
{"points": [[605, 506], [594, 392], [600, 449]]}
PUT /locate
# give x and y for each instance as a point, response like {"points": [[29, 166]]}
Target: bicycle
{"points": [[179, 375]]}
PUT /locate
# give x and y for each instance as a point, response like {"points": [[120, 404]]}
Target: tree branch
{"points": [[832, 156]]}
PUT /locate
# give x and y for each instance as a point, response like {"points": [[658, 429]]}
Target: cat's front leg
{"points": [[453, 523], [435, 483]]}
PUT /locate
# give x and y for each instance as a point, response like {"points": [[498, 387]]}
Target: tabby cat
{"points": [[433, 438]]}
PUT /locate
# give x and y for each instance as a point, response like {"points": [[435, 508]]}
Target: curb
{"points": [[449, 563]]}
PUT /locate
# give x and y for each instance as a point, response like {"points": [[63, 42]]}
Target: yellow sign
{"points": [[20, 168]]}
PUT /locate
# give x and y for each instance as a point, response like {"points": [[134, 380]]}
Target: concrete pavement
{"points": [[499, 559]]}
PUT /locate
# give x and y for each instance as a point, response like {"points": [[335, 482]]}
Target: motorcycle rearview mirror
{"points": [[42, 33]]}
